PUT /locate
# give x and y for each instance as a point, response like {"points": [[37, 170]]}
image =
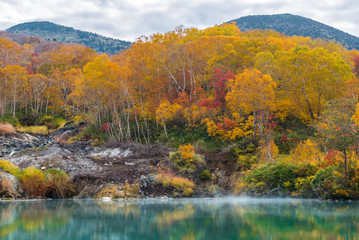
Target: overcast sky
{"points": [[129, 19]]}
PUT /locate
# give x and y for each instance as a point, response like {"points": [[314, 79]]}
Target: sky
{"points": [[130, 19]]}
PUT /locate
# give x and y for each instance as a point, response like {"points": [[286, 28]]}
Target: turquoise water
{"points": [[228, 218]]}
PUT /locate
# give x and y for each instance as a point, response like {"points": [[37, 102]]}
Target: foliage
{"points": [[10, 168], [246, 161], [94, 132], [229, 129], [329, 183], [205, 175], [58, 184], [185, 159], [41, 130], [11, 120], [184, 185], [52, 122], [287, 142], [336, 128], [307, 152], [271, 176], [33, 182], [52, 183]]}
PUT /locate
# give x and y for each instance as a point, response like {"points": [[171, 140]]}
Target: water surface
{"points": [[228, 218]]}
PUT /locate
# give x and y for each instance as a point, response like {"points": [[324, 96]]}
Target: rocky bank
{"points": [[92, 168]]}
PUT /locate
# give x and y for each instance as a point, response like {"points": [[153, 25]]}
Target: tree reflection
{"points": [[179, 219]]}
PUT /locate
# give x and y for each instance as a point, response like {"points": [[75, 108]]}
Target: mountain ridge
{"points": [[290, 25], [55, 32]]}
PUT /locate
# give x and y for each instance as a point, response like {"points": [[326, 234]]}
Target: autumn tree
{"points": [[219, 84], [252, 93], [356, 65], [336, 127], [38, 85], [12, 53], [14, 81], [307, 79]]}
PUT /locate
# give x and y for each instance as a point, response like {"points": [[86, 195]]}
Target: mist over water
{"points": [[225, 218]]}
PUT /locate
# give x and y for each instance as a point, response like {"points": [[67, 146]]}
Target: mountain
{"points": [[296, 25], [51, 31]]}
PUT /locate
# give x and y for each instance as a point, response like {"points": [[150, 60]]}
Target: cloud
{"points": [[129, 19]]}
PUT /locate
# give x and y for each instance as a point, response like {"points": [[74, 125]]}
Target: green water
{"points": [[228, 218]]}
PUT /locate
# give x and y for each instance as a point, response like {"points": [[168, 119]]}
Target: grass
{"points": [[10, 168], [6, 128], [41, 130], [182, 184]]}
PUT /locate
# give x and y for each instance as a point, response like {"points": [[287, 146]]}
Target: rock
{"points": [[111, 153], [106, 199], [129, 164], [55, 156], [12, 185], [121, 194], [146, 183]]}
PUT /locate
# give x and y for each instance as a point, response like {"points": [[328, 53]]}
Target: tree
{"points": [[219, 84], [336, 127], [38, 85], [252, 93], [12, 53], [308, 78], [14, 81]]}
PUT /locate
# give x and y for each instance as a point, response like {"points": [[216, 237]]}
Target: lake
{"points": [[227, 218]]}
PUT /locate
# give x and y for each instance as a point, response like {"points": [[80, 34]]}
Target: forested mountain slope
{"points": [[296, 25], [51, 31]]}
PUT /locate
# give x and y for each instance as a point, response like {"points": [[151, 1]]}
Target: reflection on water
{"points": [[229, 218]]}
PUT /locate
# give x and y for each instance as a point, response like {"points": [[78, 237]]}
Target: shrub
{"points": [[11, 120], [94, 132], [271, 176], [200, 146], [6, 128], [185, 159], [47, 121], [287, 142], [205, 175], [52, 122], [306, 152], [58, 184], [52, 183], [182, 184], [245, 162], [303, 186], [33, 182], [330, 183], [10, 168]]}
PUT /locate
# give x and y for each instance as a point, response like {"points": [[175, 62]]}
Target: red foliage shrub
{"points": [[105, 127]]}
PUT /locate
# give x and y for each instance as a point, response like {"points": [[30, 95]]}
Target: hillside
{"points": [[55, 32], [296, 25]]}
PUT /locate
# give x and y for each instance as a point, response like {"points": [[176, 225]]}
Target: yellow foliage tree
{"points": [[252, 93]]}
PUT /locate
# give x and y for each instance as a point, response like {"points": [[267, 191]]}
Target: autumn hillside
{"points": [[296, 25], [248, 111]]}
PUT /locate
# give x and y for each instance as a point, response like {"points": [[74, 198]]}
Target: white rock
{"points": [[106, 199]]}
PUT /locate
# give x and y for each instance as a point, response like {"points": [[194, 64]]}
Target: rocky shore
{"points": [[91, 168]]}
